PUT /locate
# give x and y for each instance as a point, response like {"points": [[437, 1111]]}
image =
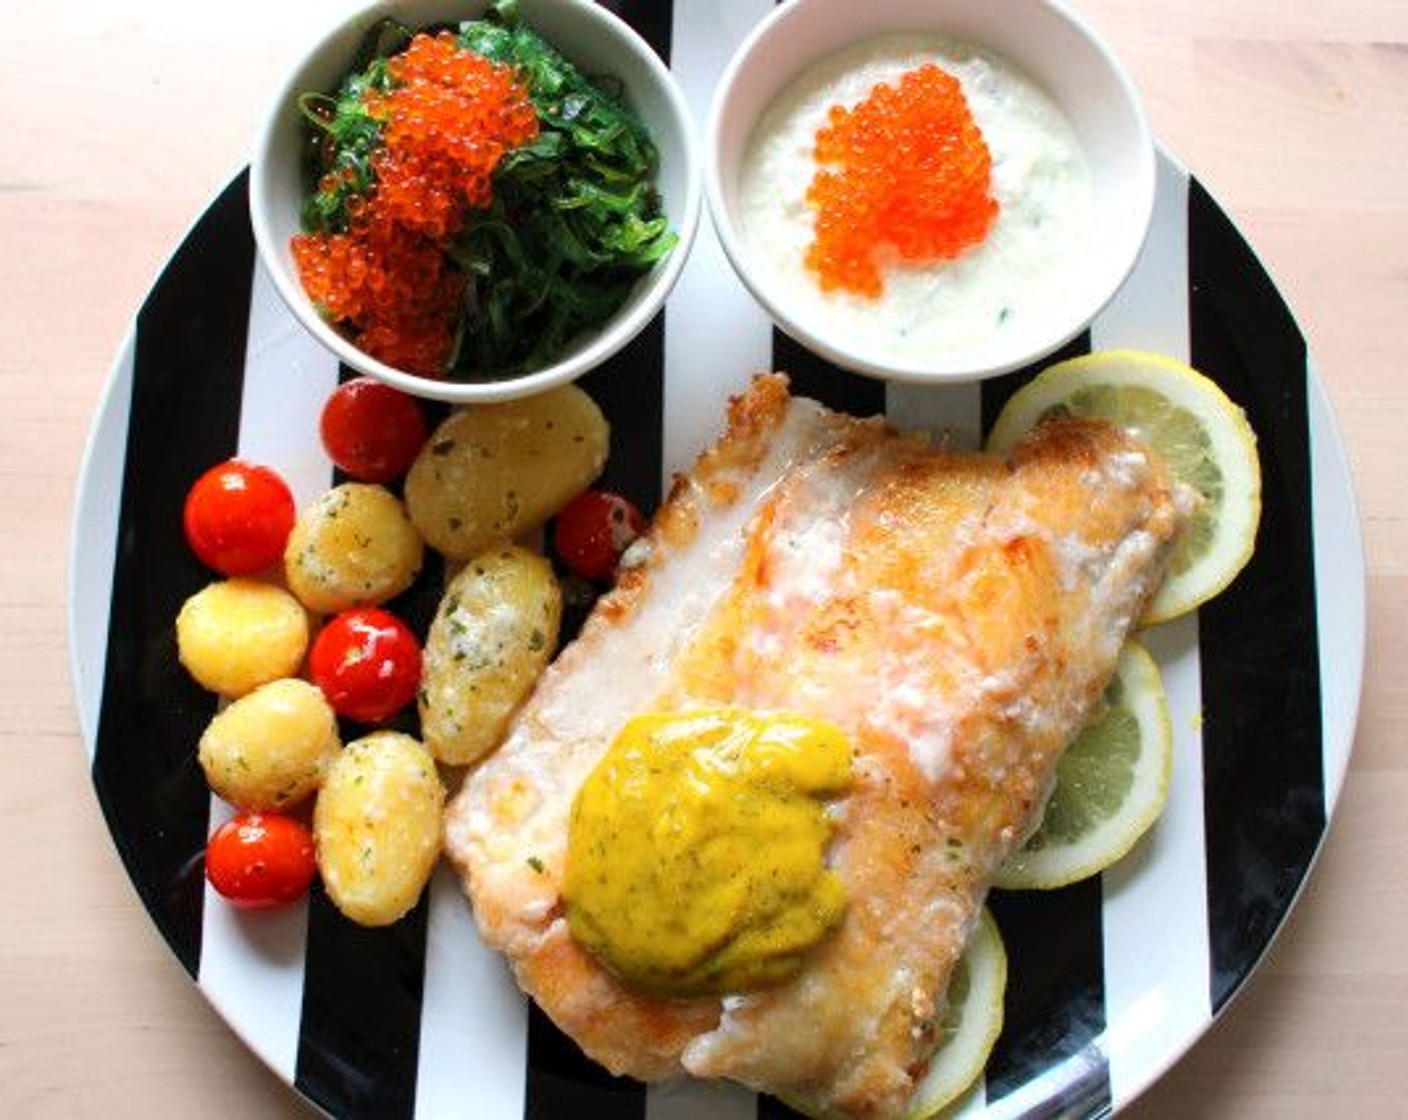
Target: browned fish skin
{"points": [[958, 617]]}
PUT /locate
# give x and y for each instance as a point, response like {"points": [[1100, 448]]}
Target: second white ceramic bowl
{"points": [[1042, 39]]}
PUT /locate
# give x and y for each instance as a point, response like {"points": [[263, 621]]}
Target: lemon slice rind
{"points": [[1058, 865], [1230, 436], [960, 1061]]}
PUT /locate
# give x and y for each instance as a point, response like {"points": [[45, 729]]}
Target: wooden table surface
{"points": [[121, 122]]}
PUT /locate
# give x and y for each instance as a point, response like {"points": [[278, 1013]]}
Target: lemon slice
{"points": [[1111, 784], [1202, 435], [972, 1022]]}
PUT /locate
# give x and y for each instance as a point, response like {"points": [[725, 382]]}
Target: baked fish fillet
{"points": [[957, 616]]}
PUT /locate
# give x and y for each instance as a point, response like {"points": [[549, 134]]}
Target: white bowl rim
{"points": [[578, 362], [914, 371]]}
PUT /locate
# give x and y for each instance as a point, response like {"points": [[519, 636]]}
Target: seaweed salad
{"points": [[475, 200]]}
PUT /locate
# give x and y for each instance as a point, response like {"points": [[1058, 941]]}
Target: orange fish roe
{"points": [[394, 288], [912, 174], [452, 116], [448, 121]]}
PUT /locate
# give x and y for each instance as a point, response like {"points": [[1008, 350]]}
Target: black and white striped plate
{"points": [[1111, 980]]}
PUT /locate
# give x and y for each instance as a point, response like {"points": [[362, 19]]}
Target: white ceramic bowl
{"points": [[1041, 39], [588, 35]]}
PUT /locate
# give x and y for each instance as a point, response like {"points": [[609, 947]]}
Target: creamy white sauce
{"points": [[1008, 284]]}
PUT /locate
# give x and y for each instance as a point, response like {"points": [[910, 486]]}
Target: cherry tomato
{"points": [[258, 860], [592, 531], [367, 662], [371, 430], [237, 517]]}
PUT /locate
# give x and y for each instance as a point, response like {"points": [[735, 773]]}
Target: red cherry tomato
{"points": [[367, 662], [592, 531], [237, 517], [371, 430], [258, 860]]}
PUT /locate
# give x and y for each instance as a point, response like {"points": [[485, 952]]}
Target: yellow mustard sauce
{"points": [[695, 861]]}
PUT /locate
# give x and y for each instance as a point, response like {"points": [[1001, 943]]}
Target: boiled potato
{"points": [[493, 471], [234, 635], [493, 633], [353, 547], [269, 749], [376, 826]]}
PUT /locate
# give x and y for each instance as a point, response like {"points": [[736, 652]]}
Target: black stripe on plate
{"points": [[630, 390], [1264, 794], [1054, 1009], [814, 376], [1055, 1002], [359, 1031], [188, 371], [562, 1081], [653, 20], [770, 1108]]}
